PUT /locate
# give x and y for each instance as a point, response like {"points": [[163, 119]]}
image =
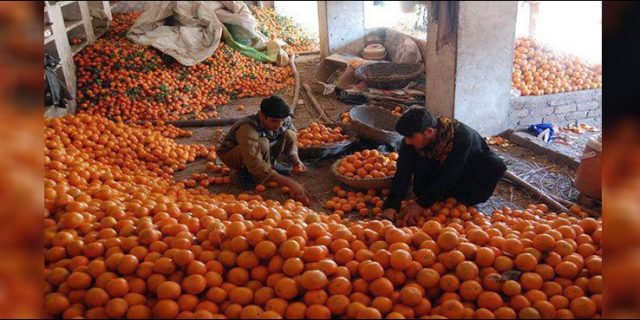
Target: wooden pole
{"points": [[296, 76], [315, 103], [196, 123], [534, 13], [553, 204]]}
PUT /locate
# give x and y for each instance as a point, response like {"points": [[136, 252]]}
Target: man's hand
{"points": [[296, 190], [298, 193], [410, 215], [299, 168]]}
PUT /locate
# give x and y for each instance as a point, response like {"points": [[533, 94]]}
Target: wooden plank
{"points": [[315, 104], [196, 123], [296, 89], [553, 204]]}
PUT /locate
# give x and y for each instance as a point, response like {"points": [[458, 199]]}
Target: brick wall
{"points": [[561, 109]]}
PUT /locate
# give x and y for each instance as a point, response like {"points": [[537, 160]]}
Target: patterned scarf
{"points": [[440, 149]]}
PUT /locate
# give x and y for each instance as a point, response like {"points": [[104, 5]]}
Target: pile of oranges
{"points": [[216, 173], [260, 188], [276, 26], [538, 71], [317, 134], [167, 131], [366, 204], [118, 78], [122, 239], [368, 164], [204, 180]]}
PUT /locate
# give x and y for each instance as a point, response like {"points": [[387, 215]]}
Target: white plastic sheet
{"points": [[195, 28]]}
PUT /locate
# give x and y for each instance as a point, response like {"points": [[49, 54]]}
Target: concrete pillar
{"points": [[341, 26], [470, 78], [265, 4], [534, 12]]}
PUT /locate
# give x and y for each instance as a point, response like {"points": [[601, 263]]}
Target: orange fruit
{"points": [[286, 288], [526, 262], [489, 300], [79, 280], [139, 312], [467, 270], [449, 283], [381, 287], [117, 287], [382, 304], [400, 259], [116, 308], [452, 309], [165, 309], [194, 284], [470, 290], [511, 288], [566, 269], [369, 313], [529, 313], [530, 280], [313, 280], [56, 303], [448, 240], [317, 311], [410, 295], [241, 295], [428, 278]]}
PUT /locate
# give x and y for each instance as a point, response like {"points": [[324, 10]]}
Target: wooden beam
{"points": [[296, 89], [323, 29], [315, 104], [534, 13], [553, 204], [196, 123]]}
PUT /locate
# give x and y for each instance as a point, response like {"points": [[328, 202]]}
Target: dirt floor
{"points": [[534, 168], [318, 179]]}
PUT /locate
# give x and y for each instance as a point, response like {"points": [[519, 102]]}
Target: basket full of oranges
{"points": [[319, 140], [367, 169]]}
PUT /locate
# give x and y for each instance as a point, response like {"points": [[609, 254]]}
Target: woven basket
{"points": [[375, 123], [389, 75], [383, 183], [331, 149]]}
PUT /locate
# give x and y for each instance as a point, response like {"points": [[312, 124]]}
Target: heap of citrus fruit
{"points": [[363, 203], [537, 70], [118, 78], [317, 134], [215, 174], [123, 240], [276, 26], [368, 164]]}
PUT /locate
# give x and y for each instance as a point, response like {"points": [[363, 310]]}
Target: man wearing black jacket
{"points": [[445, 158]]}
